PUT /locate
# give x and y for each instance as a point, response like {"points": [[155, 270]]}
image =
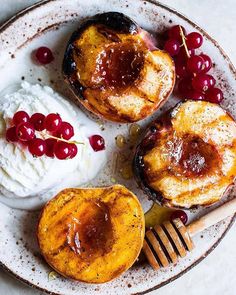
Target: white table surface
{"points": [[216, 275]]}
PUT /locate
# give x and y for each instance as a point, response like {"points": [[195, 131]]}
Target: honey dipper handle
{"points": [[216, 215]]}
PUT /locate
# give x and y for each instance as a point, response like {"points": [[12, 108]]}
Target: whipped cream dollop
{"points": [[27, 182]]}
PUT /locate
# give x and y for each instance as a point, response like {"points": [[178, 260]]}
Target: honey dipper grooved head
{"points": [[164, 243]]}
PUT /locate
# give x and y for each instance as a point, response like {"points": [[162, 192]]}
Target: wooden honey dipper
{"points": [[164, 243]]}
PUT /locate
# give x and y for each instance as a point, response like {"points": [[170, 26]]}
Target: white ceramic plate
{"points": [[50, 23]]}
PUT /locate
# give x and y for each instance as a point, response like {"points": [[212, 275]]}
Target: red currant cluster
{"points": [[192, 69], [58, 133]]}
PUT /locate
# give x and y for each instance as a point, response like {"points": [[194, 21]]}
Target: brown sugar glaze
{"points": [[193, 157], [119, 65], [90, 235], [189, 156]]}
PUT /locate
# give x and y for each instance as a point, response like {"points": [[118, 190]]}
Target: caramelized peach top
{"points": [[110, 65], [93, 234], [188, 158]]}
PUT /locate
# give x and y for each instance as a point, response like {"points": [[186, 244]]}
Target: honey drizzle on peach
{"points": [[91, 232]]}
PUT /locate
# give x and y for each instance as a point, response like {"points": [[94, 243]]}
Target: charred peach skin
{"points": [[92, 234], [188, 157], [115, 70]]}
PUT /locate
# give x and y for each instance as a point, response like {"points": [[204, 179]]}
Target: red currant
{"points": [[194, 40], [174, 33], [196, 95], [37, 120], [20, 117], [182, 56], [74, 150], [180, 69], [52, 122], [207, 63], [172, 47], [181, 215], [62, 150], [65, 131], [97, 142], [203, 82], [44, 55], [11, 134], [37, 147], [214, 95], [185, 86], [50, 144], [25, 131], [195, 64]]}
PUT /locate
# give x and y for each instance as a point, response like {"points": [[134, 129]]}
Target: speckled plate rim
{"points": [[27, 10]]}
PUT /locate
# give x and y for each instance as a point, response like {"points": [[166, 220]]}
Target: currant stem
{"points": [[184, 42], [58, 138]]}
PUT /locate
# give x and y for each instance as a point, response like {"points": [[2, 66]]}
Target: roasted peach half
{"points": [[188, 157], [92, 234], [114, 69]]}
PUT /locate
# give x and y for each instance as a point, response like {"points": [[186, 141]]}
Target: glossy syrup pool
{"points": [[90, 235], [193, 157], [157, 215], [121, 64], [19, 249]]}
